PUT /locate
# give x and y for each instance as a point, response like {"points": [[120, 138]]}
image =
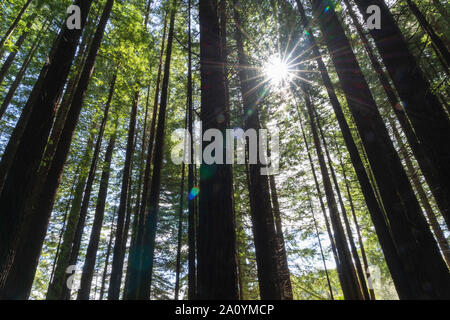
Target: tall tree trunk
{"points": [[108, 254], [72, 219], [40, 203], [180, 235], [57, 288], [351, 287], [192, 274], [17, 47], [430, 122], [422, 157], [354, 250], [376, 211], [322, 204], [118, 257], [265, 236], [63, 228], [13, 26], [147, 12], [76, 245], [217, 278], [133, 269], [316, 227], [438, 43], [152, 202], [355, 220], [91, 253], [409, 228], [24, 167], [414, 176], [137, 206]]}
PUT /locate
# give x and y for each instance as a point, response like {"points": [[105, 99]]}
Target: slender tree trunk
{"points": [[376, 211], [430, 122], [137, 206], [354, 251], [413, 174], [118, 257], [285, 275], [152, 202], [17, 47], [72, 219], [25, 164], [431, 175], [91, 253], [23, 69], [61, 233], [217, 278], [265, 236], [147, 12], [136, 251], [13, 26], [322, 204], [40, 203], [180, 235], [355, 220], [86, 202], [438, 43], [409, 228], [57, 289], [316, 227], [192, 275], [108, 254], [351, 287]]}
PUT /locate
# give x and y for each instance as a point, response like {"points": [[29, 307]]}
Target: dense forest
{"points": [[342, 191]]}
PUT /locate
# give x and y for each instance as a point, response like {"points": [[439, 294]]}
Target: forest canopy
{"points": [[224, 149]]}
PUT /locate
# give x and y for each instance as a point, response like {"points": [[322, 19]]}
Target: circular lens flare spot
{"points": [[194, 193]]}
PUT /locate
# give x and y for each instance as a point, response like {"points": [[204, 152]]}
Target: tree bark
{"points": [[217, 278], [192, 274], [265, 236]]}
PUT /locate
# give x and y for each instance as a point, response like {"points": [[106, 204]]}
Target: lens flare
{"points": [[194, 193], [277, 71]]}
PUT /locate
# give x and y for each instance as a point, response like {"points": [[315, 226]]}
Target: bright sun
{"points": [[277, 71]]}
